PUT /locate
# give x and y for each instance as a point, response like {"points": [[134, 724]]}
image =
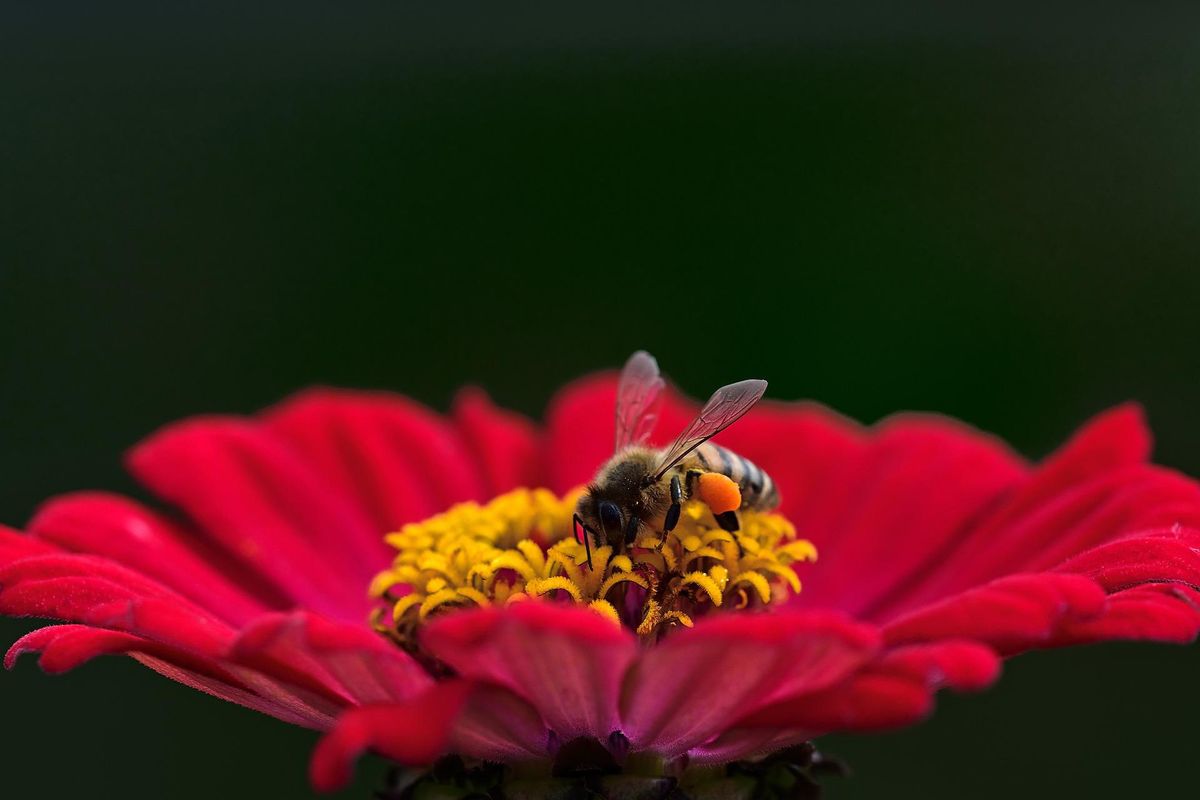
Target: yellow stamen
{"points": [[521, 546]]}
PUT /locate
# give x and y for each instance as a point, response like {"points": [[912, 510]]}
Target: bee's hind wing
{"points": [[724, 408], [638, 394]]}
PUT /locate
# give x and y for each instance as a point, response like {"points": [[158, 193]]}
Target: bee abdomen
{"points": [[758, 490]]}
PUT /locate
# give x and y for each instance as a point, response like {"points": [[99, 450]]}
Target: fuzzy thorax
{"points": [[520, 547]]}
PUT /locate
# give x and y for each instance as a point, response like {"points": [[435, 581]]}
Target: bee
{"points": [[643, 487]]}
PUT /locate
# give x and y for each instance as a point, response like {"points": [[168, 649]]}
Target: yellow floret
{"points": [[521, 546]]}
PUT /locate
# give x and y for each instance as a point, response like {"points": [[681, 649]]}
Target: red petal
{"points": [[1010, 614], [964, 666], [90, 590], [1114, 438], [1160, 613], [736, 663], [804, 447], [1083, 516], [870, 701], [411, 733], [264, 503], [124, 531], [1171, 554], [876, 523], [507, 447], [581, 429], [894, 691], [65, 647], [566, 662], [396, 459], [15, 545], [1093, 487]]}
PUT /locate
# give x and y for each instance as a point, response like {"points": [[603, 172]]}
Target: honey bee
{"points": [[643, 487]]}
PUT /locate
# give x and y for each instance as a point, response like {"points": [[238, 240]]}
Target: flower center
{"points": [[520, 546]]}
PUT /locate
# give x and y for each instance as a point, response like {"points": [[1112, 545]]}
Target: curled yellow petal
{"points": [[479, 597], [706, 583], [516, 562], [537, 588], [758, 582], [437, 599], [404, 604], [620, 577], [605, 609]]}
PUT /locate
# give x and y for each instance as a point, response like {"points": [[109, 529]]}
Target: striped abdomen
{"points": [[758, 490]]}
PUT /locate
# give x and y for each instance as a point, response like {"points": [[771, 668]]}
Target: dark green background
{"points": [[989, 215]]}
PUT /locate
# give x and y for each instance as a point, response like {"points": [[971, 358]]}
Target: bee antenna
{"points": [[587, 544]]}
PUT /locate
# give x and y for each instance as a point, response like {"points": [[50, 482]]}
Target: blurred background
{"points": [[990, 216]]}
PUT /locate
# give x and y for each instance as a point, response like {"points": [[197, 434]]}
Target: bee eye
{"points": [[610, 516]]}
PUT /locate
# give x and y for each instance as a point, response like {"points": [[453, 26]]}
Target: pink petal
{"points": [[496, 725], [350, 661], [506, 446], [688, 689], [892, 692], [65, 647], [1010, 614], [410, 733], [124, 531], [736, 744], [281, 702], [260, 499], [566, 662], [397, 460]]}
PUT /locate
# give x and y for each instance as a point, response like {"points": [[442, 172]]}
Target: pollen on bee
{"points": [[719, 492], [521, 546]]}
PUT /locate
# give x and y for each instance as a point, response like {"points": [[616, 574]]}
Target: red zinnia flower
{"points": [[940, 553]]}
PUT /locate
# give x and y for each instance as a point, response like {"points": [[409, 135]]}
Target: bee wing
{"points": [[637, 399], [723, 409]]}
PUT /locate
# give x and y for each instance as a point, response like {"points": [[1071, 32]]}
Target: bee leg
{"points": [[631, 530], [730, 523], [672, 518]]}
